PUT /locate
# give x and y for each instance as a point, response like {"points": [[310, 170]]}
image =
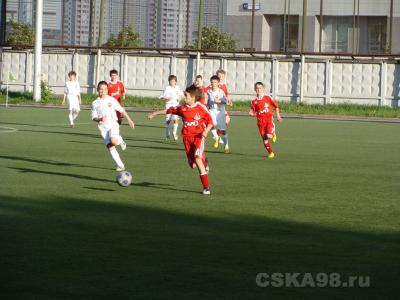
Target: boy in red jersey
{"points": [[201, 90], [262, 106], [197, 123], [116, 89]]}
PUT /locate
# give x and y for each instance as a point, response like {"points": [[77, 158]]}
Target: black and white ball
{"points": [[124, 178]]}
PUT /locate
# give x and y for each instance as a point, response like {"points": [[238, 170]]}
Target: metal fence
{"points": [[296, 78]]}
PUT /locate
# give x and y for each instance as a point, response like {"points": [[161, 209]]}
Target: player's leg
{"points": [[221, 125], [214, 130], [110, 142], [71, 118], [175, 119], [168, 118], [227, 121], [200, 160], [187, 143], [267, 136], [75, 112]]}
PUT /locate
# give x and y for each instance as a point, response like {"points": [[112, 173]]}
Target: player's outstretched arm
{"points": [[252, 113], [156, 113], [130, 121]]}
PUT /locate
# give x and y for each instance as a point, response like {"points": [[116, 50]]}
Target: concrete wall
{"points": [[320, 79]]}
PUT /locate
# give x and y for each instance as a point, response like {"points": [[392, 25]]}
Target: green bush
{"points": [[46, 92]]}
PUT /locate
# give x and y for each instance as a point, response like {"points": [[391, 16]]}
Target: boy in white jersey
{"points": [[216, 103], [72, 91], [171, 96], [103, 112]]}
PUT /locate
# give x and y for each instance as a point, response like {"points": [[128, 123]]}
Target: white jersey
{"points": [[214, 95], [175, 93], [106, 107], [72, 88]]}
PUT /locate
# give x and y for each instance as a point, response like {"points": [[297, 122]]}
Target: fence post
{"points": [[172, 65], [302, 70], [198, 63], [28, 71], [383, 86], [98, 60], [125, 69], [275, 75]]}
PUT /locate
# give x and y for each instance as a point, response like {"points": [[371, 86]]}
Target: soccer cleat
{"points": [[274, 138], [120, 168], [206, 192], [216, 143], [175, 137], [271, 155], [226, 150], [123, 146]]}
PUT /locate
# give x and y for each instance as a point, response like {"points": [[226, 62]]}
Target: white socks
{"points": [[115, 155], [175, 131], [214, 133], [72, 116]]}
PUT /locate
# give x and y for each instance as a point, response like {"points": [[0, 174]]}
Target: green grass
{"points": [[327, 203], [345, 109]]}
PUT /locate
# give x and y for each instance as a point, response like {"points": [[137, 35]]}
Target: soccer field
{"points": [[328, 203]]}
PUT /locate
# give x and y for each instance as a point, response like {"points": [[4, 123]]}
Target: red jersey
{"points": [[263, 107], [202, 90], [223, 87], [195, 118], [116, 90]]}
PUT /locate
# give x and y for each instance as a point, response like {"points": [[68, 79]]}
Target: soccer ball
{"points": [[124, 178]]}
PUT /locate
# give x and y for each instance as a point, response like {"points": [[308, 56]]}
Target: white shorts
{"points": [[73, 103], [108, 132], [218, 117], [170, 117]]}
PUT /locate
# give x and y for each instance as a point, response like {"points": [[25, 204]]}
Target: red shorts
{"points": [[266, 126], [194, 147]]}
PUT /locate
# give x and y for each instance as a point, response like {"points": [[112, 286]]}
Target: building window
{"points": [[336, 33], [376, 34], [289, 40]]}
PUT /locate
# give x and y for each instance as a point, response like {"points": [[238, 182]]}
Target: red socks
{"points": [[204, 180], [267, 146]]}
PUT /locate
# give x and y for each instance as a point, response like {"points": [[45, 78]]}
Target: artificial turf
{"points": [[328, 203]]}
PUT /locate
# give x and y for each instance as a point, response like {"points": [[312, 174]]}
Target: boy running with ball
{"points": [[197, 122], [104, 113], [262, 107]]}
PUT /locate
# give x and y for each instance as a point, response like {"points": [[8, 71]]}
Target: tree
{"points": [[214, 39], [20, 34], [126, 38]]}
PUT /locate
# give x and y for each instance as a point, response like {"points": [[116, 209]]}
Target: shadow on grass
{"points": [[49, 162], [72, 248], [162, 186], [35, 171]]}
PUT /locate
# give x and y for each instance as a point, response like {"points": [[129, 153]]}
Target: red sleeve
{"points": [[274, 103], [174, 111], [225, 89]]}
